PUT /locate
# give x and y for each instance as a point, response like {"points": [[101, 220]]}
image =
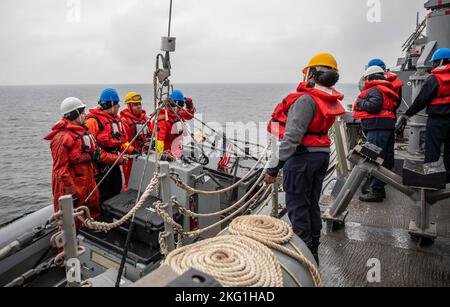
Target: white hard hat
{"points": [[71, 104], [373, 70]]}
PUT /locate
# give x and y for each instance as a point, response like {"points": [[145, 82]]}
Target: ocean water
{"points": [[29, 112]]}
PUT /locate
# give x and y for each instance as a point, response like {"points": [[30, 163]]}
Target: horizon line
{"points": [[143, 83]]}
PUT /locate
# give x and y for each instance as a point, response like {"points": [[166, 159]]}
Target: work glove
{"points": [[152, 145], [271, 175], [401, 124], [136, 153], [189, 103], [96, 155], [167, 157], [123, 160], [76, 201]]}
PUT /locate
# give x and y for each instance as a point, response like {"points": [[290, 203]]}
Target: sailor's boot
{"points": [[365, 188], [314, 248], [373, 196]]}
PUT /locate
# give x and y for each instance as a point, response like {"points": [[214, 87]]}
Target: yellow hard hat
{"points": [[322, 59], [133, 97]]}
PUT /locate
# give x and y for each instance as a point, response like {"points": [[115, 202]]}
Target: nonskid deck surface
{"points": [[380, 231]]}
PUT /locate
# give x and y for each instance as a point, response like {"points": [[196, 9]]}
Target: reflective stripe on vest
{"points": [[144, 128], [89, 143]]}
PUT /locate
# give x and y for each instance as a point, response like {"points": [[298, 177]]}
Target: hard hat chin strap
{"points": [[306, 77]]}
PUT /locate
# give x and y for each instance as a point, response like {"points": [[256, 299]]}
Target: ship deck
{"points": [[380, 231]]}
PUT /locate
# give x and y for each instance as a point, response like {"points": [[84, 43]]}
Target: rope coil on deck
{"points": [[272, 233], [235, 261]]}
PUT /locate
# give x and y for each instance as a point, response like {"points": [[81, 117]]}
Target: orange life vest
{"points": [[111, 133], [389, 100], [135, 124], [328, 108], [395, 81], [443, 76]]}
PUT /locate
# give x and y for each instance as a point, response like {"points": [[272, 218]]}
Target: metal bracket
{"points": [[415, 231]]}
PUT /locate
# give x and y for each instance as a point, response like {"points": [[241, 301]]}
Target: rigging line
{"points": [[218, 134]]}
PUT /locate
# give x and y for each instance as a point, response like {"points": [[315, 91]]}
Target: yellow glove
{"points": [[160, 146]]}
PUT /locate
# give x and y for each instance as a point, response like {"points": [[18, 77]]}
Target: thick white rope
{"points": [[235, 261], [273, 233]]}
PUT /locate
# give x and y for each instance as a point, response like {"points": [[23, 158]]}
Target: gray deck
{"points": [[381, 231]]}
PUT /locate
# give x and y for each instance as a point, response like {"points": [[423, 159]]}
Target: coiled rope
{"points": [[235, 261], [273, 233]]}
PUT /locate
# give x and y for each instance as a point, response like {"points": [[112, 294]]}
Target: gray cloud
{"points": [[217, 41]]}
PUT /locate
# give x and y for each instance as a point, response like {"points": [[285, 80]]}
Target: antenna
{"points": [[170, 18]]}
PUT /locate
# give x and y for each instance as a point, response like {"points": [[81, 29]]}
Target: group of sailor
{"points": [[86, 147], [303, 119], [93, 149]]}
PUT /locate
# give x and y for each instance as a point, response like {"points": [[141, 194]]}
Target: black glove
{"points": [[136, 152], [401, 124], [123, 160], [189, 103], [167, 157], [76, 201], [96, 155], [272, 172], [152, 145]]}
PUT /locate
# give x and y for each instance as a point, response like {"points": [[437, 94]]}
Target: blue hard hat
{"points": [[177, 95], [441, 54], [109, 95], [377, 62]]}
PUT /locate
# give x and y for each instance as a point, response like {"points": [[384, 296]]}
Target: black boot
{"points": [[373, 196], [314, 248], [365, 187]]}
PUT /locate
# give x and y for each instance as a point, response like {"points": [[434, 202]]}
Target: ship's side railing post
{"points": [[276, 185], [275, 200], [342, 151], [166, 197], [73, 266]]}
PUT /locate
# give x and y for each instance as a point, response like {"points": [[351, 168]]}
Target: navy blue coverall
{"points": [[379, 131], [438, 125]]}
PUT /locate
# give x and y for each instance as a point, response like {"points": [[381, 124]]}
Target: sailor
{"points": [[75, 153], [134, 119], [435, 96], [302, 120], [390, 76], [375, 107], [107, 128], [169, 123]]}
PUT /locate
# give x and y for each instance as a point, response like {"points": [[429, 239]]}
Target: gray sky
{"points": [[253, 41]]}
